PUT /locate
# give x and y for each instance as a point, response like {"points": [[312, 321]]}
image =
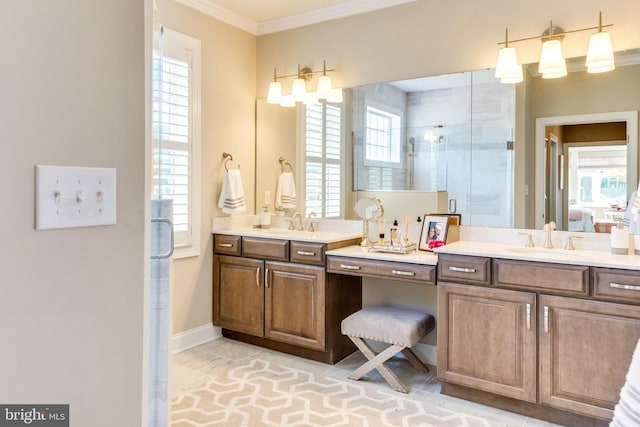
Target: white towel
{"points": [[232, 194], [286, 191], [627, 412]]}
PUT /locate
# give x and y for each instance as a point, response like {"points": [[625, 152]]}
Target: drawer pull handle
{"points": [[627, 287], [306, 253], [226, 245], [462, 269], [403, 273], [258, 277], [350, 267], [546, 319], [528, 316]]}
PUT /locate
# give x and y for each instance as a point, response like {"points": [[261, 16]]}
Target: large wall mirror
{"points": [[470, 136]]}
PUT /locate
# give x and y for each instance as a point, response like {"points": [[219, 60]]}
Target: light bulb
{"points": [[324, 87], [275, 93], [299, 90]]}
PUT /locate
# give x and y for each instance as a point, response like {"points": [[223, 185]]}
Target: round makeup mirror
{"points": [[368, 209]]}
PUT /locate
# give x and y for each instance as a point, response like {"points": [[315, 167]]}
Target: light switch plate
{"points": [[69, 196]]}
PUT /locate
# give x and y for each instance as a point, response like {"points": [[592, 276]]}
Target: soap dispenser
{"points": [[619, 239], [265, 217]]}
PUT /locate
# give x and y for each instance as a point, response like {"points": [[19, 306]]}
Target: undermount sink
{"points": [[543, 252]]}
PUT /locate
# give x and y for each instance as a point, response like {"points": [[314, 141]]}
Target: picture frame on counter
{"points": [[434, 232], [454, 218]]}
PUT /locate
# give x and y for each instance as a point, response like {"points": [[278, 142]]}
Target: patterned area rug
{"points": [[263, 393]]}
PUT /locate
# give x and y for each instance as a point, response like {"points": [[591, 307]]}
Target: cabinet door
{"points": [[487, 339], [238, 294], [585, 352], [295, 304]]}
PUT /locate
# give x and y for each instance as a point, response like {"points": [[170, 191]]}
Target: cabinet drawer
{"points": [[228, 245], [307, 253], [464, 269], [424, 274], [616, 285], [539, 276], [272, 249]]}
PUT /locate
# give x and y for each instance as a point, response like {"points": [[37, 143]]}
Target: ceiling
{"points": [[268, 16]]}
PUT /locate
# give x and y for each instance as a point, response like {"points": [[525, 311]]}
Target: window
{"points": [[323, 160], [382, 137], [176, 135]]}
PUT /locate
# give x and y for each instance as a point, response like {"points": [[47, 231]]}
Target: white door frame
{"points": [[630, 117]]}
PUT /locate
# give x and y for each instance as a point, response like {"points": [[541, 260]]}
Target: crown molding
{"points": [[342, 10], [210, 8]]}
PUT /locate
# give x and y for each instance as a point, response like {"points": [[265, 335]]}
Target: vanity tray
{"points": [[402, 249]]}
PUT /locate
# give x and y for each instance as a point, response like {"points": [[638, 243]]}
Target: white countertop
{"points": [[555, 255], [414, 257], [285, 234]]}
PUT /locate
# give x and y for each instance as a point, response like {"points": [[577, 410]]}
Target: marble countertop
{"points": [[555, 255], [414, 257], [285, 234]]}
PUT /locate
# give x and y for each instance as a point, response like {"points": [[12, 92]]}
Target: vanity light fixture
{"points": [[508, 70], [299, 90], [600, 53], [552, 63]]}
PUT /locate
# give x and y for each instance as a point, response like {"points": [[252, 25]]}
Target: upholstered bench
{"points": [[400, 328]]}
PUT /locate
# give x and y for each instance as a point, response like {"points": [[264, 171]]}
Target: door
{"points": [[487, 339], [295, 304], [585, 352], [238, 294]]}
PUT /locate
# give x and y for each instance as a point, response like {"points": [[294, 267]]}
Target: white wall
{"points": [[71, 301]]}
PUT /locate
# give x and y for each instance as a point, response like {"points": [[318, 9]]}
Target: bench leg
{"points": [[377, 362], [415, 360]]}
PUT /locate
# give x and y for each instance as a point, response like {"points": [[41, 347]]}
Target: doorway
{"points": [[543, 202]]}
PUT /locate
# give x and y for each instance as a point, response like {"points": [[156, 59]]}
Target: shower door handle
{"points": [[170, 251]]}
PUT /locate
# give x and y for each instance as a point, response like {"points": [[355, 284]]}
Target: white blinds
{"points": [[172, 112], [323, 160]]}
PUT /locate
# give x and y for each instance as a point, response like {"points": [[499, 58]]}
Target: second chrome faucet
{"points": [[548, 228]]}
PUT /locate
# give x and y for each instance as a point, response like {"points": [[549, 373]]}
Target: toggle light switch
{"points": [[74, 197]]}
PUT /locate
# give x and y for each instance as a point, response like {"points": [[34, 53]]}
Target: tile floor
{"points": [[229, 383]]}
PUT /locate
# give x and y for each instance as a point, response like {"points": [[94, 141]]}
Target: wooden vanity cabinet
{"points": [[533, 344], [487, 339], [294, 304], [261, 298], [238, 294], [585, 352]]}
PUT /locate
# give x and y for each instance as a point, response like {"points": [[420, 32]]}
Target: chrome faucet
{"points": [[569, 245], [548, 228], [293, 221], [310, 226]]}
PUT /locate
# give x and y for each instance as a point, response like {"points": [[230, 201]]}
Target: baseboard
{"points": [[193, 337], [428, 353]]}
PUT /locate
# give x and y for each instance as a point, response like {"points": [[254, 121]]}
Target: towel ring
{"points": [[284, 163], [227, 157]]}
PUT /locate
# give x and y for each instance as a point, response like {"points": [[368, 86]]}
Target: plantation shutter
{"points": [[172, 119], [323, 160]]}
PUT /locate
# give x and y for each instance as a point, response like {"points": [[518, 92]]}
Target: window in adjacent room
{"points": [[176, 135], [323, 154], [382, 146]]}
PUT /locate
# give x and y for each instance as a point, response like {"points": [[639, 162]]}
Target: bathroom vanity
{"points": [[273, 290], [548, 334]]}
